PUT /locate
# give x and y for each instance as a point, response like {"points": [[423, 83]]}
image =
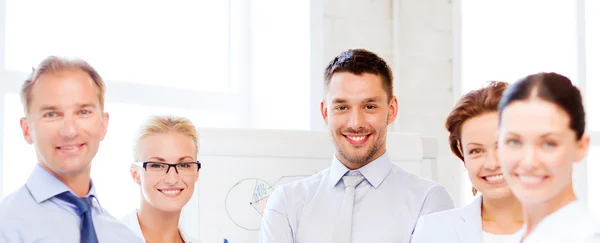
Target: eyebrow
{"points": [[86, 105], [549, 134], [367, 100], [48, 108], [163, 160], [53, 107], [478, 144], [543, 135], [339, 100], [372, 99], [513, 134]]}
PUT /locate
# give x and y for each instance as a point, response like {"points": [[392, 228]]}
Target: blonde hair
{"points": [[54, 64], [165, 124]]}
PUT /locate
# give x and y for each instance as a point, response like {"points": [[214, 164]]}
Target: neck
{"points": [[78, 182], [502, 210], [536, 212], [158, 225]]}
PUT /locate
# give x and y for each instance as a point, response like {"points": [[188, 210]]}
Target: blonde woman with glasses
{"points": [[166, 168]]}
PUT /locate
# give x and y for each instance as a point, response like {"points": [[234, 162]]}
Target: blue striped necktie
{"points": [[84, 210]]}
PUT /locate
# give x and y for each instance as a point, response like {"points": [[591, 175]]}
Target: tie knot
{"points": [[83, 204], [352, 179]]}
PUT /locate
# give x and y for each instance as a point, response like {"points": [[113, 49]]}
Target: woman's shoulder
{"points": [[471, 210]]}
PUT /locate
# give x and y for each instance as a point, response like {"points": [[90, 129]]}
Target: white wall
{"points": [[419, 49]]}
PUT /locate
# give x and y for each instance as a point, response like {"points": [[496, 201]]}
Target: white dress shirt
{"points": [[132, 221], [571, 223], [496, 238], [387, 205], [460, 225]]}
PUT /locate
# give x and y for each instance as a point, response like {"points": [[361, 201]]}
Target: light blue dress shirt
{"points": [[387, 205], [33, 214]]}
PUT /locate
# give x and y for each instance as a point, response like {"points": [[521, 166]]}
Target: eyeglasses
{"points": [[159, 168]]}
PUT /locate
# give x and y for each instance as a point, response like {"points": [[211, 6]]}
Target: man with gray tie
{"points": [[362, 197], [63, 100]]}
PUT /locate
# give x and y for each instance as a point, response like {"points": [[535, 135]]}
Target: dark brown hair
{"points": [[359, 61], [472, 104], [554, 88]]}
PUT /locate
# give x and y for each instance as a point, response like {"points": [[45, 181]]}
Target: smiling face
{"points": [[65, 121], [357, 111], [171, 191], [537, 149], [479, 145]]}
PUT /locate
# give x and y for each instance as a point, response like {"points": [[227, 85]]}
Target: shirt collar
{"points": [[137, 228], [43, 185], [374, 172]]}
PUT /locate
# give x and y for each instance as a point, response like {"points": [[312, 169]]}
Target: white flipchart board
{"points": [[240, 168]]}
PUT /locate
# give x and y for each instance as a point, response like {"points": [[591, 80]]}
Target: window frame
{"points": [[582, 175], [236, 100]]}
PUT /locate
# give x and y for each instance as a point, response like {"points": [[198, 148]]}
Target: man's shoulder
{"points": [[443, 217], [298, 191], [15, 207], [118, 228], [305, 184], [16, 201], [414, 181]]}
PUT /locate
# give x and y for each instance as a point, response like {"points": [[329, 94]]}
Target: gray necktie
{"points": [[343, 226]]}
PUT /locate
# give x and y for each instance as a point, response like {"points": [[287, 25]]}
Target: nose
{"points": [[69, 127], [491, 163], [529, 161], [171, 177], [357, 120]]}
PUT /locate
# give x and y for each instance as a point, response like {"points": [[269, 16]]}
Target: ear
{"points": [[460, 148], [135, 174], [324, 112], [25, 129], [393, 110], [105, 117], [197, 175], [582, 147]]}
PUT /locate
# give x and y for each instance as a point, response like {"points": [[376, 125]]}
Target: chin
{"points": [[170, 207], [532, 197], [69, 168]]}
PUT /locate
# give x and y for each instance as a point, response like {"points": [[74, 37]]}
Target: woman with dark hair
{"points": [[542, 125], [494, 215]]}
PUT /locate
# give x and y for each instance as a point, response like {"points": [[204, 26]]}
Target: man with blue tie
{"points": [[362, 197], [63, 100]]}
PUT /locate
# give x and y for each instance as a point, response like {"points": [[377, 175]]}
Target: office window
{"points": [[149, 42], [18, 156], [234, 64], [592, 50], [281, 67], [593, 178], [592, 22], [500, 40]]}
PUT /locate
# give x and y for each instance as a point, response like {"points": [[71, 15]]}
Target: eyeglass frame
{"points": [[144, 164]]}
